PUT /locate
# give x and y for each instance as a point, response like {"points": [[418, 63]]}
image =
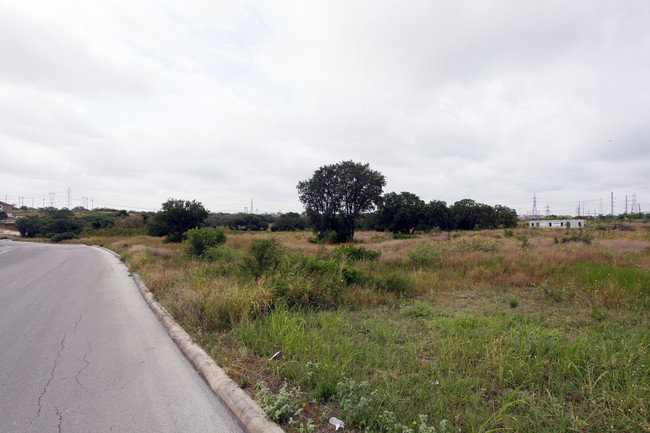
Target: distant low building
{"points": [[558, 224], [6, 208]]}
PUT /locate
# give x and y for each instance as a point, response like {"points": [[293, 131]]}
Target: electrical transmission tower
{"points": [[534, 206], [52, 195]]}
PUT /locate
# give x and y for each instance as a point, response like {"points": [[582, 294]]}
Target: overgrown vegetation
{"points": [[176, 218], [201, 240], [62, 224], [472, 331]]}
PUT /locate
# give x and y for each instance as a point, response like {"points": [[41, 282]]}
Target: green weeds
{"points": [[476, 334], [199, 240]]}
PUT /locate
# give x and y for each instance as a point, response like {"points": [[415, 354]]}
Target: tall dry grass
{"points": [[562, 327]]}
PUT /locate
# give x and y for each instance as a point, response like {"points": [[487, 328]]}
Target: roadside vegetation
{"points": [[515, 329], [429, 318]]}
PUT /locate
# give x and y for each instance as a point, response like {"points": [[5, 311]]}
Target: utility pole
{"points": [[68, 197], [626, 204], [612, 202], [601, 206]]}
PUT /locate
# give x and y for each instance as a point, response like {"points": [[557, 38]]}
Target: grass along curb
{"points": [[249, 413]]}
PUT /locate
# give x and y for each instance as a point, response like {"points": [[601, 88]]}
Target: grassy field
{"points": [[515, 330]]}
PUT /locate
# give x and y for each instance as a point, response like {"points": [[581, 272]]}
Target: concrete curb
{"points": [[247, 411]]}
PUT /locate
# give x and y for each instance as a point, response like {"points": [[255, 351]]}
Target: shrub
{"points": [[404, 236], [58, 237], [220, 253], [264, 255], [523, 239], [280, 407], [394, 283], [419, 310], [359, 403], [320, 266], [200, 239], [176, 218], [351, 275], [579, 236], [424, 255], [353, 253]]}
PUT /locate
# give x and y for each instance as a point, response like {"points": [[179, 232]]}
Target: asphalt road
{"points": [[80, 350]]}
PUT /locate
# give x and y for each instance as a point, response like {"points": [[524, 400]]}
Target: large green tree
{"points": [[438, 215], [337, 194], [471, 215], [400, 213], [289, 222], [506, 217], [29, 226], [177, 217]]}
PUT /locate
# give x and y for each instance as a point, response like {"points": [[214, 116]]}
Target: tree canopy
{"points": [[289, 222], [400, 213], [177, 217], [337, 194]]}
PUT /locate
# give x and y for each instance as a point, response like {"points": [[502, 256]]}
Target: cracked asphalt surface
{"points": [[80, 350]]}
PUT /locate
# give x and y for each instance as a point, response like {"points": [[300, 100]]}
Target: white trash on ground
{"points": [[337, 422]]}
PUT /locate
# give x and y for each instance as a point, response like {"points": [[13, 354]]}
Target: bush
{"points": [[394, 283], [201, 239], [289, 222], [580, 236], [404, 236], [220, 253], [353, 253], [424, 255], [264, 255], [58, 237], [176, 218], [359, 403], [280, 407], [351, 275]]}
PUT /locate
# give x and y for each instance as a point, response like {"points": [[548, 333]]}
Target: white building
{"points": [[558, 224]]}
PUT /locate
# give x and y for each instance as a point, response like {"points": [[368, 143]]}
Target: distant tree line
{"points": [[406, 213], [341, 197], [60, 224]]}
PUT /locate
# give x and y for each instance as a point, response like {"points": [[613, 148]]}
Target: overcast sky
{"points": [[130, 103]]}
